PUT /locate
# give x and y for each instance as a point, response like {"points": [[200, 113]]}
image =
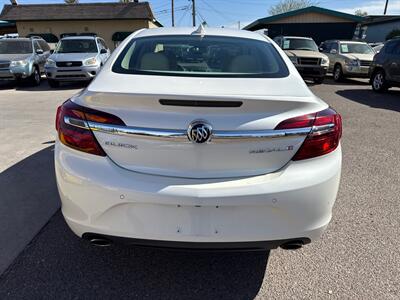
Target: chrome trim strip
{"points": [[76, 122], [217, 135], [322, 129], [176, 134], [137, 131]]}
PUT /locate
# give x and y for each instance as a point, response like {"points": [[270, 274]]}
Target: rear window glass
{"points": [[208, 56]]}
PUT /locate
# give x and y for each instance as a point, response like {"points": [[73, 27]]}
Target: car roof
{"points": [[206, 30], [79, 37], [17, 39], [346, 41], [296, 37]]}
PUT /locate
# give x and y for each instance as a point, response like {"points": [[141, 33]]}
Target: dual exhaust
{"points": [[100, 241]]}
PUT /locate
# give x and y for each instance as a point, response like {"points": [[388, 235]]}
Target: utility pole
{"points": [[194, 12], [238, 24], [386, 5], [172, 13]]}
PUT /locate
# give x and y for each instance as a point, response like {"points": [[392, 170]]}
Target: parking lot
{"points": [[358, 257]]}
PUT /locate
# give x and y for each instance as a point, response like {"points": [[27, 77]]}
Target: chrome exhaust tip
{"points": [[293, 245], [100, 242]]}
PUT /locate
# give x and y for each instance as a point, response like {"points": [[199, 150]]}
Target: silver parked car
{"points": [[76, 58], [348, 58], [23, 59]]}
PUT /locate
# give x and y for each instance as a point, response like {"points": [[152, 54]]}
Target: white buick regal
{"points": [[205, 139]]}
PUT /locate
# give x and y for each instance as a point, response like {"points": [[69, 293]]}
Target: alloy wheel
{"points": [[378, 81]]}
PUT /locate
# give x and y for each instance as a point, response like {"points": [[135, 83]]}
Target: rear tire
{"points": [[35, 78], [338, 73], [53, 83], [378, 82], [318, 80]]}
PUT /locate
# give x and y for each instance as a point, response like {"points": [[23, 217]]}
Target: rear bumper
{"points": [[312, 71], [72, 73], [99, 197], [259, 245]]}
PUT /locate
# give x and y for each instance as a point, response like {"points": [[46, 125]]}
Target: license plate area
{"points": [[181, 220]]}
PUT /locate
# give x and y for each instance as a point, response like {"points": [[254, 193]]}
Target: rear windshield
{"points": [[208, 56], [15, 47], [76, 46]]}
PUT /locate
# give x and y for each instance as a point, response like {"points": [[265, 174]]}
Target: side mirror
{"points": [[39, 51], [103, 51], [51, 51], [333, 51], [321, 49]]}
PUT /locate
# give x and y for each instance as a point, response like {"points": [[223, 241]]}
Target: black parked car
{"points": [[385, 68]]}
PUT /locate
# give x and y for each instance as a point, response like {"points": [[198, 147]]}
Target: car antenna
{"points": [[200, 31]]}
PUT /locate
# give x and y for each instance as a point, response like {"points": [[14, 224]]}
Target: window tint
{"points": [[278, 41], [326, 47], [392, 47], [208, 56], [299, 44], [14, 46], [103, 43], [355, 48], [77, 46], [44, 46], [36, 45]]}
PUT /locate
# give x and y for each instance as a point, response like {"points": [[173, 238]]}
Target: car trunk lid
{"points": [[243, 140]]}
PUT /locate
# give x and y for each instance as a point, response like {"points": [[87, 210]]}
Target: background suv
{"points": [[304, 54], [348, 58], [385, 69], [23, 58], [76, 58]]}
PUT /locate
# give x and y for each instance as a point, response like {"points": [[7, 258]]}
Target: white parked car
{"points": [[198, 139], [76, 58]]}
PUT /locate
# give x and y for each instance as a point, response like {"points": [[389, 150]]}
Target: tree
{"points": [[126, 1], [288, 5], [71, 1], [394, 33], [361, 13]]}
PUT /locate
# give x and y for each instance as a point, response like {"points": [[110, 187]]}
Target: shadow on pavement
{"points": [[56, 264], [7, 85], [389, 100], [347, 81], [29, 198], [60, 265], [44, 86]]}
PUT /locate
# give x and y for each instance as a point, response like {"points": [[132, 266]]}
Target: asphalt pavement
{"points": [[357, 258]]}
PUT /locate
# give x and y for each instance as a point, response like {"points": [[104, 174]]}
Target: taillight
{"points": [[74, 130], [325, 134]]}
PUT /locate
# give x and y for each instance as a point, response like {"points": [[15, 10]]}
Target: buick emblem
{"points": [[69, 64], [199, 132]]}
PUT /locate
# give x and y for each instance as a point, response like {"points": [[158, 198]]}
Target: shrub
{"points": [[393, 33]]}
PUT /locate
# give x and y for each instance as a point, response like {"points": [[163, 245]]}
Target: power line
{"points": [[183, 15], [216, 11]]}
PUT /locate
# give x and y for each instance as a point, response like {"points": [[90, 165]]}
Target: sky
{"points": [[229, 13]]}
